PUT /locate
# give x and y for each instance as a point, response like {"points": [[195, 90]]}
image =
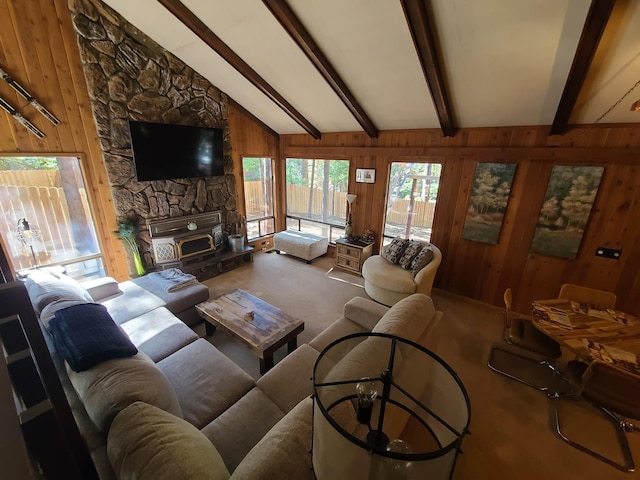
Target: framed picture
{"points": [[488, 202], [565, 211], [366, 175]]}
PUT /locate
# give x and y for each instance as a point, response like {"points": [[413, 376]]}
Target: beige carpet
{"points": [[511, 433]]}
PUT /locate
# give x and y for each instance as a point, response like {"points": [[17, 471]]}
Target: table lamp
{"points": [[385, 408], [348, 230], [27, 234]]}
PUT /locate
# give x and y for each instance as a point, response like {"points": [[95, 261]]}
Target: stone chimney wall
{"points": [[130, 77]]}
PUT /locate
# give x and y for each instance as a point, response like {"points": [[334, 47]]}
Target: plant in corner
{"points": [[128, 232]]}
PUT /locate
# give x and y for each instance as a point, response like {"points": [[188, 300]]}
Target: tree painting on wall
{"points": [[565, 210], [488, 202]]}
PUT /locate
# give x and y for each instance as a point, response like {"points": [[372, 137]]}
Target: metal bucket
{"points": [[236, 242]]}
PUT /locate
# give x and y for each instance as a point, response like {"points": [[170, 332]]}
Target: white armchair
{"points": [[388, 283]]}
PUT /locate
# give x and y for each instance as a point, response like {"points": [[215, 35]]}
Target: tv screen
{"points": [[163, 152]]}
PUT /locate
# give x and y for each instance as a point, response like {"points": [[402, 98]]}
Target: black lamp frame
{"points": [[376, 439]]}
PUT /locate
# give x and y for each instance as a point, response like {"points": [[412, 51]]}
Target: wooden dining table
{"points": [[608, 335]]}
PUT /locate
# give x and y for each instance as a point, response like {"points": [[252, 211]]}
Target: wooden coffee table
{"points": [[258, 324]]}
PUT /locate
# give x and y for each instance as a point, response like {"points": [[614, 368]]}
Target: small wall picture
{"points": [[366, 175], [565, 210], [488, 202]]}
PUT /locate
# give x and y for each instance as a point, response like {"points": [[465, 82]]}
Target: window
{"points": [[411, 200], [258, 196], [45, 217], [317, 196]]}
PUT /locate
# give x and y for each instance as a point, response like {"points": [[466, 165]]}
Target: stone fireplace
{"points": [[130, 77]]}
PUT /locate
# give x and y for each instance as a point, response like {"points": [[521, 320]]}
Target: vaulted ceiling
{"points": [[347, 65]]}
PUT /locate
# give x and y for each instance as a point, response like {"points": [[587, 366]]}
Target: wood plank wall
{"points": [[483, 271], [38, 48], [250, 138]]}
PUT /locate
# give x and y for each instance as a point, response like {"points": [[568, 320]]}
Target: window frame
{"points": [[385, 238], [271, 217], [332, 226]]}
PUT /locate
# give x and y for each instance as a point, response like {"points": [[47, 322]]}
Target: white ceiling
{"points": [[505, 62]]}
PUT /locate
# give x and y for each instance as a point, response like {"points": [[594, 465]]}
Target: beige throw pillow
{"points": [[147, 443], [112, 386]]}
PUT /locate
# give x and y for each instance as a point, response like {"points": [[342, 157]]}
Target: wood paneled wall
{"points": [[483, 271], [38, 48], [249, 138]]}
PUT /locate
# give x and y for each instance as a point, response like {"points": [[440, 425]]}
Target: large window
{"points": [[411, 200], [316, 196], [45, 217], [258, 196]]}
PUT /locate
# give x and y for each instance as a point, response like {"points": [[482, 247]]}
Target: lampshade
{"points": [[385, 408], [351, 198]]}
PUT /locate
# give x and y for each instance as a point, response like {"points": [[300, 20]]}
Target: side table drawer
{"points": [[346, 251], [348, 263]]}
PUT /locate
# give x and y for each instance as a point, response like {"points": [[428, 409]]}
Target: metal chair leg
{"points": [[511, 350], [627, 466]]}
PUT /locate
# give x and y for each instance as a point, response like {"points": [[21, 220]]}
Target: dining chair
{"points": [[528, 355], [615, 392], [592, 296]]}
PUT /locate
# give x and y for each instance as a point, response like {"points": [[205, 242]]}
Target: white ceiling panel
{"points": [[250, 30], [369, 44], [615, 71], [505, 62]]}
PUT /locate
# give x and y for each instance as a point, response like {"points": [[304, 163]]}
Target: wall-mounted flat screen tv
{"points": [[163, 152]]}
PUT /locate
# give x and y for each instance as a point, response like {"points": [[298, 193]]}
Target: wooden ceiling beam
{"points": [[197, 26], [422, 32], [296, 30], [594, 25]]}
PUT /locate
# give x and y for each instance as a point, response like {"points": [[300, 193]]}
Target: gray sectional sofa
{"points": [[180, 409]]}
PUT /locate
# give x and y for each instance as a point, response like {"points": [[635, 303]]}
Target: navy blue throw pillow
{"points": [[86, 335]]}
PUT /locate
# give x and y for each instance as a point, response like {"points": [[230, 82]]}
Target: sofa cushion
{"points": [[393, 252], [378, 271], [102, 288], [46, 287], [86, 335], [291, 381], [422, 260], [412, 250], [158, 333], [284, 451], [239, 428], [364, 312], [178, 300], [133, 302], [108, 388], [50, 310], [338, 329], [147, 443], [206, 382], [408, 318]]}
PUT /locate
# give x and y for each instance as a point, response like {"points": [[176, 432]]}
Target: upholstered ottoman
{"points": [[302, 245]]}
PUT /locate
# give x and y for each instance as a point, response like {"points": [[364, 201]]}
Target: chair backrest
{"points": [[592, 296], [613, 388], [508, 301]]}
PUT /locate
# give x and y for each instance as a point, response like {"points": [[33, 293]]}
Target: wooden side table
{"points": [[351, 254]]}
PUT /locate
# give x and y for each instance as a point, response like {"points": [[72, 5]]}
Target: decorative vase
{"points": [[348, 230], [137, 260]]}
